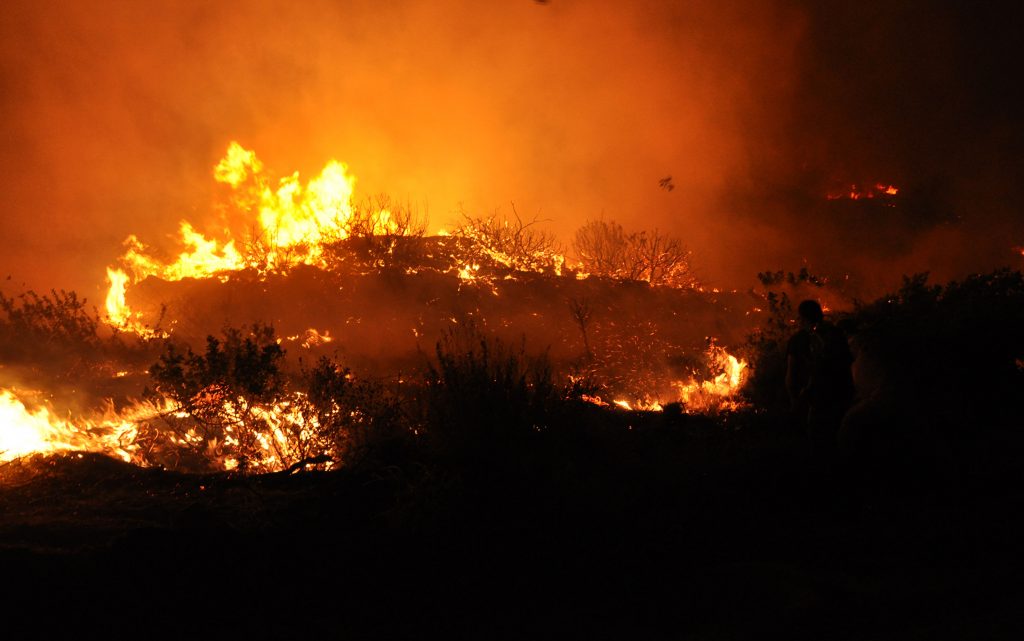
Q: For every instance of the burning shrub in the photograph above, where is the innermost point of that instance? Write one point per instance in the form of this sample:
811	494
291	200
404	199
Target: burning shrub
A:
380	233
605	249
375	234
512	242
234	407
225	393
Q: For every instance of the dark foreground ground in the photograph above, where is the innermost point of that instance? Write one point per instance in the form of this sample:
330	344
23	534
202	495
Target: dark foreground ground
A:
627	526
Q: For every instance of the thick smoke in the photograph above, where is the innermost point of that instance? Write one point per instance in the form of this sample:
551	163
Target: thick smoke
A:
114	113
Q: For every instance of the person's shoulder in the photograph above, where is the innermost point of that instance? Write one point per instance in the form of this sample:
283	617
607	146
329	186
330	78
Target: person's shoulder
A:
798	342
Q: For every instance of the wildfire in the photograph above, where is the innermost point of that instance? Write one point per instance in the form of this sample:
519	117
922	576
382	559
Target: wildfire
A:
696	395
856	192
641	406
284	436
719	392
293	222
38	431
313	338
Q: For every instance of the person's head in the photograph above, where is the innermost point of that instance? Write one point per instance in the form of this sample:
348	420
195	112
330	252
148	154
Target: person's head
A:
810	313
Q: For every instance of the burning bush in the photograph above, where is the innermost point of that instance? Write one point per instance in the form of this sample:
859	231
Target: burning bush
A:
234	406
510	241
381	233
225	393
605	249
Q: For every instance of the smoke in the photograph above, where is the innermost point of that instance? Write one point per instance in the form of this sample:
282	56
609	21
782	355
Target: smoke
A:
114	113
912	93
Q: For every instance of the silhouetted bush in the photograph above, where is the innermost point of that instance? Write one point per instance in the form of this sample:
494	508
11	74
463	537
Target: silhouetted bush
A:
766	352
483	396
58	321
358	420
953	353
956	349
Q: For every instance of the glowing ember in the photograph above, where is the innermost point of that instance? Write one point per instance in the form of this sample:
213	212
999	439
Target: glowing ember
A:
718	393
856	192
313	338
641	406
469	272
696	396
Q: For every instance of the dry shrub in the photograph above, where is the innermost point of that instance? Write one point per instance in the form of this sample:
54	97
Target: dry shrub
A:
511	241
604	248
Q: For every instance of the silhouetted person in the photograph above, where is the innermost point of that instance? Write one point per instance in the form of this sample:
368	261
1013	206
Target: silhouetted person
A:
818	376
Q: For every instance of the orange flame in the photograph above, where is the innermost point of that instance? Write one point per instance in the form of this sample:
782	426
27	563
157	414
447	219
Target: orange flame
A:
718	393
26	431
697	396
855	192
293	221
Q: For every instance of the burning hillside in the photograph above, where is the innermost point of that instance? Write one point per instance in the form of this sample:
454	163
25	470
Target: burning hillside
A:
519	319
330	280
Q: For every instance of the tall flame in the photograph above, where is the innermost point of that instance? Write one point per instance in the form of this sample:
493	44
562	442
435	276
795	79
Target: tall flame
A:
292	222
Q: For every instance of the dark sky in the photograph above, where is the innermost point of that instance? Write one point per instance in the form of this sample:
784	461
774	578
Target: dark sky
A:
112	115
